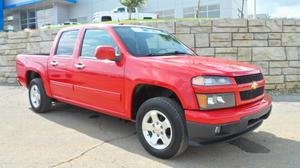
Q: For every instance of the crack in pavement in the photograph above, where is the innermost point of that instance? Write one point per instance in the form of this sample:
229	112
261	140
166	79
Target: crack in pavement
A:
90	149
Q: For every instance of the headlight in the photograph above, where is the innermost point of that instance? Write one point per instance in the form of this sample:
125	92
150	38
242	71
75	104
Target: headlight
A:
215	101
211	81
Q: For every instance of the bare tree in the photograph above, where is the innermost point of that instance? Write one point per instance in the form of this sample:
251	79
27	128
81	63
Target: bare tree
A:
197	11
241	11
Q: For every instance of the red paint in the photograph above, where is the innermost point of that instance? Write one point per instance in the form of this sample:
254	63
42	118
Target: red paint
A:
107	86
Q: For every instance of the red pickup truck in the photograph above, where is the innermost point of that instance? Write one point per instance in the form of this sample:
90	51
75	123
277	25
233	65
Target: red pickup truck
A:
147	76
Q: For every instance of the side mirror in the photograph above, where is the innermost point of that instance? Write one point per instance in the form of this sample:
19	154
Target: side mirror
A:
106	53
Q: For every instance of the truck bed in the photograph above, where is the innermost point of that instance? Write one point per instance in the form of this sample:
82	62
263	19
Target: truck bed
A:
33	62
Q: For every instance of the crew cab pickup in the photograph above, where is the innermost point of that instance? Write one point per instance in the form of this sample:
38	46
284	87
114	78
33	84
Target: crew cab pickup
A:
146	75
122	13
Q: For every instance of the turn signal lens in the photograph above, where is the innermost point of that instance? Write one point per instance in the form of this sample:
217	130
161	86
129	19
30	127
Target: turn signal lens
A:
202	100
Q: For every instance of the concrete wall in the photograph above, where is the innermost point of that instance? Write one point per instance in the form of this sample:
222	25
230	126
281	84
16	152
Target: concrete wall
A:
274	45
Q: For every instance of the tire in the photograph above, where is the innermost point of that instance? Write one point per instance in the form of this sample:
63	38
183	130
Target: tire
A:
38	98
161	140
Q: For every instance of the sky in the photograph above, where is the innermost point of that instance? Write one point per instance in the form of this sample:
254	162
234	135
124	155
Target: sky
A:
276	8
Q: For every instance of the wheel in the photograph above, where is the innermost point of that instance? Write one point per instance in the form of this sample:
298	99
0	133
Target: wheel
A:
38	98
161	127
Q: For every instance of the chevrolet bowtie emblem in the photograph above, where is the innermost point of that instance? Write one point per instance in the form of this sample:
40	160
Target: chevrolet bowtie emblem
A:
254	85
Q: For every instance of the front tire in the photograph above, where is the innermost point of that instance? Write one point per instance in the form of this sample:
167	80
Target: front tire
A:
38	98
161	127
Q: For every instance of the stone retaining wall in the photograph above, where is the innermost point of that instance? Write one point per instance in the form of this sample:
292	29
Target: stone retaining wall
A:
274	45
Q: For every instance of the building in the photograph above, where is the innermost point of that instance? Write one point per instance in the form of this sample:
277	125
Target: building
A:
20	14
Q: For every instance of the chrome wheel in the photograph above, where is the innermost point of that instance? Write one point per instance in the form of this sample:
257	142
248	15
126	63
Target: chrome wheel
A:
157	129
35	96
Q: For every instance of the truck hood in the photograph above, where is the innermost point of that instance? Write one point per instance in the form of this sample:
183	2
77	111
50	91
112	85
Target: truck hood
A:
208	66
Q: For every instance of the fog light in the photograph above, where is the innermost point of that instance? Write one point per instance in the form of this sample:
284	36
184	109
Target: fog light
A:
218	130
216	101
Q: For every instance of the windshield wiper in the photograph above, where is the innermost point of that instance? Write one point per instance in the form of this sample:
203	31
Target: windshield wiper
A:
176	53
169	53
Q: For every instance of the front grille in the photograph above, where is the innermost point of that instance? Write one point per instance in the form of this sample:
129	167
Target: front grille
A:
251	94
248	78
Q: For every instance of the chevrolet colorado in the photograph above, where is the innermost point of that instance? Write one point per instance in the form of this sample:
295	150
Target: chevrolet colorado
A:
147	76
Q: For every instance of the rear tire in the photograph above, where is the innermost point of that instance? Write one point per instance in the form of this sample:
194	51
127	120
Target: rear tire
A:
161	127
38	98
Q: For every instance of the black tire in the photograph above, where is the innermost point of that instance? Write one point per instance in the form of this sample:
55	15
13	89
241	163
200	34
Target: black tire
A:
45	101
175	114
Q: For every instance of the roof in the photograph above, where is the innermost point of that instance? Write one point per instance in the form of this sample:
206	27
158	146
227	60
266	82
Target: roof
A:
9	4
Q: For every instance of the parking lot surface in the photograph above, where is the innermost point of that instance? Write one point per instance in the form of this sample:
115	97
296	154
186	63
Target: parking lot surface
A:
70	137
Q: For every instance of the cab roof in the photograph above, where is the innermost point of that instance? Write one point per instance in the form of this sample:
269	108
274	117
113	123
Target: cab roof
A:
85	26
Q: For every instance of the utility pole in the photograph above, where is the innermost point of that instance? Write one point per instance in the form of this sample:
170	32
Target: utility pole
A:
254	14
242	13
197	11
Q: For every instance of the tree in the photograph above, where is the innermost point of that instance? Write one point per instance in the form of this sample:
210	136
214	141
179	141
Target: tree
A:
242	11
197	11
131	5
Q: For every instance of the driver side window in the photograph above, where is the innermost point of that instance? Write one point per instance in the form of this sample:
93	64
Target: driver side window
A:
121	10
94	38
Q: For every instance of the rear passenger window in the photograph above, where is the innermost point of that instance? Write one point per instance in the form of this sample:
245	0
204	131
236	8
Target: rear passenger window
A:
66	43
93	39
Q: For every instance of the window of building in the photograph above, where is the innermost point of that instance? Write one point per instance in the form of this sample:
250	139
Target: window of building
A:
210	11
66	43
189	12
94	38
28	19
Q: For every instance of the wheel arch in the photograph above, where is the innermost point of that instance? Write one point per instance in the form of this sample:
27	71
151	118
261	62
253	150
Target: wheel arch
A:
143	92
30	75
34	73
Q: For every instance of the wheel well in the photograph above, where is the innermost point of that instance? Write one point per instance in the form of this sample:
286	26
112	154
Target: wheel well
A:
31	75
145	92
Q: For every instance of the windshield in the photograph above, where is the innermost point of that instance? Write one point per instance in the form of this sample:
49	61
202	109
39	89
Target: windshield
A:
142	42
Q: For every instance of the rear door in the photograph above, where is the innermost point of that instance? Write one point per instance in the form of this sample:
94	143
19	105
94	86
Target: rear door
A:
60	66
99	84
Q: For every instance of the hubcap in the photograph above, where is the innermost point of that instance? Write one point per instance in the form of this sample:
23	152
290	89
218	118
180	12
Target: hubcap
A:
157	129
35	96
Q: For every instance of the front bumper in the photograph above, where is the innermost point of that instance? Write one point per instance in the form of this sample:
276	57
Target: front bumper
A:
204	133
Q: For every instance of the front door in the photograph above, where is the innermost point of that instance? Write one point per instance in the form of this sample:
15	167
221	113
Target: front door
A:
60	66
99	84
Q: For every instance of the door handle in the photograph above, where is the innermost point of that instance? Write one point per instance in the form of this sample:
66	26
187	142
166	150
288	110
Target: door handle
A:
54	63
79	66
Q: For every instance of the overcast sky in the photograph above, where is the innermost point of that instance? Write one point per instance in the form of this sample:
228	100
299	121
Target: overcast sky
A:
276	8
